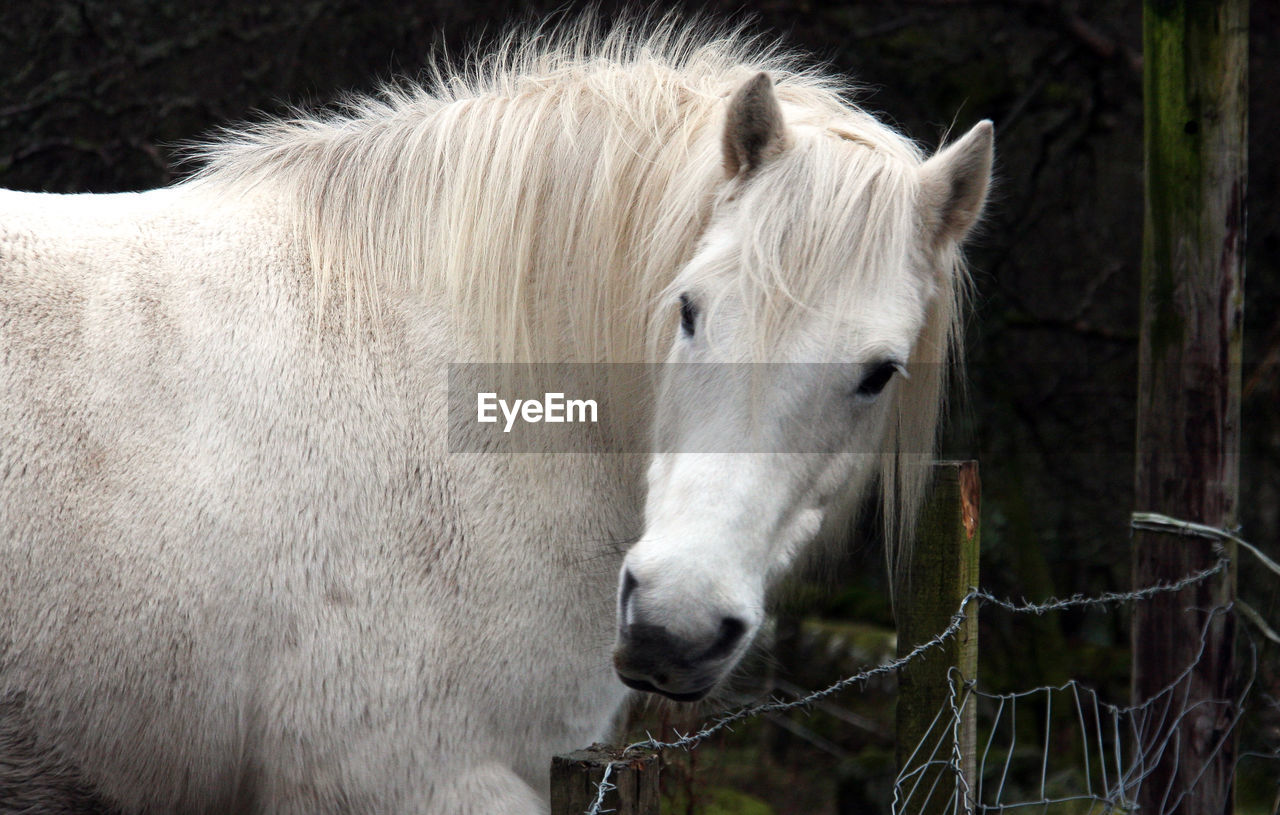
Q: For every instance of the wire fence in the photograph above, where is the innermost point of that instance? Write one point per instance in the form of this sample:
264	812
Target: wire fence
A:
1114	749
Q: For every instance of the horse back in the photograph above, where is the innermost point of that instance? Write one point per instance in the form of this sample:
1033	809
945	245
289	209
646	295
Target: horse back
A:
111	310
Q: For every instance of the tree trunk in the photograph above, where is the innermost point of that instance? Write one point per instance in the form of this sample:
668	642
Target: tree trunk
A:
1188	422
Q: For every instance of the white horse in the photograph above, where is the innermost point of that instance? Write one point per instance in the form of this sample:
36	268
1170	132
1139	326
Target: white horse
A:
246	562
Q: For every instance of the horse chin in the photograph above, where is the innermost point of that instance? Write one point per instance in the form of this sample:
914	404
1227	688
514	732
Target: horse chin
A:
649	687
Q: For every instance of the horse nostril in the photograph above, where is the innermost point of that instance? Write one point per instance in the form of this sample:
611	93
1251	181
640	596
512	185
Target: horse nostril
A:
629	585
731	631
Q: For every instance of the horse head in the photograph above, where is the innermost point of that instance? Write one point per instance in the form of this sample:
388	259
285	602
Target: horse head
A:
807	337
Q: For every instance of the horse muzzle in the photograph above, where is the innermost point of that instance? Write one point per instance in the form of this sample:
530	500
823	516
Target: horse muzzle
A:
682	667
649	658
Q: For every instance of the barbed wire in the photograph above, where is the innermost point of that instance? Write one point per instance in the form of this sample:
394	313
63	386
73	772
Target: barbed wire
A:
965	690
603	788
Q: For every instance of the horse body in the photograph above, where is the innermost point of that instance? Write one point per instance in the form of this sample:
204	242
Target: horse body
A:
244	566
213	563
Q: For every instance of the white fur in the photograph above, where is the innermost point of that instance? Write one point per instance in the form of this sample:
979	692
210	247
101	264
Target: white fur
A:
241	569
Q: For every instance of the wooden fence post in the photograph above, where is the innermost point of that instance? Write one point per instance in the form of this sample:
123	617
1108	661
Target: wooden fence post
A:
1195	104
575	779
944	566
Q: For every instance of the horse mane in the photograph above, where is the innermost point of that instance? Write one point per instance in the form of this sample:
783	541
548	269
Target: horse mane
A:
551	188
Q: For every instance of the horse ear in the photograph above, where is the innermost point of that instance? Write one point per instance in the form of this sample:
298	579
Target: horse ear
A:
754	131
954	184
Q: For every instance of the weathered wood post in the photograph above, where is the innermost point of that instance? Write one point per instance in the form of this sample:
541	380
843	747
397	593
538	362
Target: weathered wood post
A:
944	566
1188	436
575	779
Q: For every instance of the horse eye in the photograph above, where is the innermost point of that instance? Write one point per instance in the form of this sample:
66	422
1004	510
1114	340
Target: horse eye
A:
688	315
876	381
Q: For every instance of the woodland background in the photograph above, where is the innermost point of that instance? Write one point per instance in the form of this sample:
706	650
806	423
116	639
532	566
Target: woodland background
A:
96	94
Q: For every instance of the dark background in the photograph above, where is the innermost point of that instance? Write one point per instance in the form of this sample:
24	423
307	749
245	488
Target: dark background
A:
95	95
